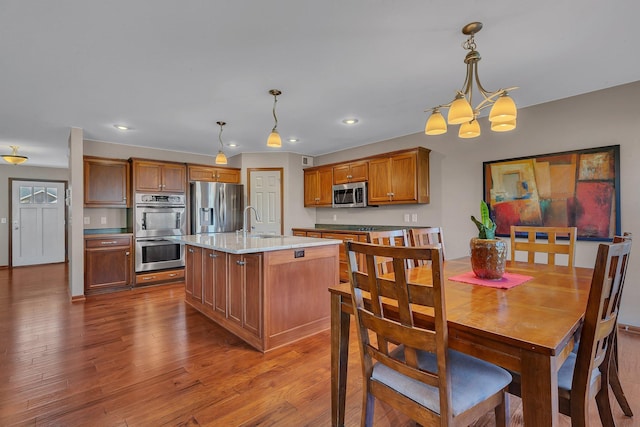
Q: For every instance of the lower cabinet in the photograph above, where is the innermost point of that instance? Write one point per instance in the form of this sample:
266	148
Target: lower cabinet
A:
108	263
268	299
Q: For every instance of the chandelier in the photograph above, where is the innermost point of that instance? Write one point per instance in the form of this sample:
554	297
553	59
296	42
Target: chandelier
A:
14	158
503	110
221	159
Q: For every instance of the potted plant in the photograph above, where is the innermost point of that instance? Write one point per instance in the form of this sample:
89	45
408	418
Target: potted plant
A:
488	254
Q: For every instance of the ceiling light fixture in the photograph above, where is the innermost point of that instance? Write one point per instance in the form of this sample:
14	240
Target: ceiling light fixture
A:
274	137
293	140
14	158
221	159
121	127
350	121
503	111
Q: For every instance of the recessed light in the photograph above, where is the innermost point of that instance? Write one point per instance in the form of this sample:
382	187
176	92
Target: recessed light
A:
350	121
121	127
233	144
293	140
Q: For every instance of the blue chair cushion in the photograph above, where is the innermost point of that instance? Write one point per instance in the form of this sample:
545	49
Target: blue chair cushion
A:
472	380
565	373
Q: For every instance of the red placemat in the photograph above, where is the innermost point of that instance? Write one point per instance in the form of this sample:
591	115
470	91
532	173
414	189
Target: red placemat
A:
509	280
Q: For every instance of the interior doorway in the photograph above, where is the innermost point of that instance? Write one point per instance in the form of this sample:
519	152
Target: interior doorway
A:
265	194
38	224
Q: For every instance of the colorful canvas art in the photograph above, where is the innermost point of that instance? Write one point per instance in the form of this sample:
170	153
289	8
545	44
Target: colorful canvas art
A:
576	188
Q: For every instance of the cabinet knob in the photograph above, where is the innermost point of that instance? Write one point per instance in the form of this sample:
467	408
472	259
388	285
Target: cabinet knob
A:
173	274
213	255
127	253
240	262
149	278
190	250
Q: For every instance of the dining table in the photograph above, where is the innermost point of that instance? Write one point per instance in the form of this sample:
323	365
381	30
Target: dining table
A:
530	328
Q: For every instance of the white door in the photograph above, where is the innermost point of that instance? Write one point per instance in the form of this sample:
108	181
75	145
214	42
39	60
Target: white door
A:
37	222
265	189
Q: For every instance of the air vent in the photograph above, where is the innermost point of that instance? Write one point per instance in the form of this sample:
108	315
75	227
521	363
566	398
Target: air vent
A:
307	161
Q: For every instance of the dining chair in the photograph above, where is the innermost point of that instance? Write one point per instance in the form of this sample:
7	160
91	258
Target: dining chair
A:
585	374
551	246
409	367
427	236
614	378
388	238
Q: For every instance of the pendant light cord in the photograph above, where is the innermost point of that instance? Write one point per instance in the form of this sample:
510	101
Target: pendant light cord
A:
275	118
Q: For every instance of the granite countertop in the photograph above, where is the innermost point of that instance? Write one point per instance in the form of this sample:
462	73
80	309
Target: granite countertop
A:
98	231
236	243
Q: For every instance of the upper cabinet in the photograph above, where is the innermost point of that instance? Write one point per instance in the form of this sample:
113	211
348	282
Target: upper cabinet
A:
106	183
214	174
351	172
159	177
400	177
318	184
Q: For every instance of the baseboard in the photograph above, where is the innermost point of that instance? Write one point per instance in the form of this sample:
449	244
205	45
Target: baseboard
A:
629	328
78	298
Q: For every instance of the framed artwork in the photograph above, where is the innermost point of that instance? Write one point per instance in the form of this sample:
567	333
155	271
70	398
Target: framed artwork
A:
574	188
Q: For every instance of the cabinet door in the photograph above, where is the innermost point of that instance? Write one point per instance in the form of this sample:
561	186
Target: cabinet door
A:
106	183
325	186
341	174
231	176
236	275
214	282
403	177
253	294
107	267
359	171
197	173
208	277
311	188
379	180
148	176
173	178
193	272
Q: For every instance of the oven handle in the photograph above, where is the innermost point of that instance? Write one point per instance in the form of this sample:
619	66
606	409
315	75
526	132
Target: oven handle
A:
156	242
161	206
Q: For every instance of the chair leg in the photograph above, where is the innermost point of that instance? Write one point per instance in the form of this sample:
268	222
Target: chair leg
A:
368	405
616	387
604	407
502	412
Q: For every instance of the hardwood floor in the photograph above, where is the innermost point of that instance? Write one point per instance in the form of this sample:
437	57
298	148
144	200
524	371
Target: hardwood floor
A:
145	358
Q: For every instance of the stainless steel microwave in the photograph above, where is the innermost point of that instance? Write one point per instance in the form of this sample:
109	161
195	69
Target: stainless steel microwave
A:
350	195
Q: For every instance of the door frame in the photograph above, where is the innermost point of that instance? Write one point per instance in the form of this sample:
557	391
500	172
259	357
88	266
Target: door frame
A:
66	215
281	170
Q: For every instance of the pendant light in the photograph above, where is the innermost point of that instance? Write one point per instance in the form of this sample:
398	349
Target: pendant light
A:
503	110
14	158
221	159
274	139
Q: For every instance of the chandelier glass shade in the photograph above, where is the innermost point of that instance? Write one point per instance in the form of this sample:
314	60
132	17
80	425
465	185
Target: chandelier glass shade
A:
14	158
461	112
221	158
274	139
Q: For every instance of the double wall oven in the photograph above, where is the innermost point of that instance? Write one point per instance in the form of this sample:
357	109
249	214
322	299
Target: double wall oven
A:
156	217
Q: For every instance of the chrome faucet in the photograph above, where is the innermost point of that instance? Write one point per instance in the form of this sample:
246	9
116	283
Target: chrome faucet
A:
244	220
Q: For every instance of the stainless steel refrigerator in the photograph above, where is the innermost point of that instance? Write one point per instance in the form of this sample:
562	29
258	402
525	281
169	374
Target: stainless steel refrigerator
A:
216	207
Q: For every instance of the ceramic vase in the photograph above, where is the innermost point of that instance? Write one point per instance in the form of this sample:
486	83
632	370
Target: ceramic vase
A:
488	258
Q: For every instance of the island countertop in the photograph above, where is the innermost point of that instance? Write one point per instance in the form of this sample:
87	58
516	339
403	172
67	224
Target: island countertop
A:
237	243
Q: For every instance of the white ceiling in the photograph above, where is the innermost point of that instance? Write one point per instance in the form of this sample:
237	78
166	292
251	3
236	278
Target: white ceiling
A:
171	68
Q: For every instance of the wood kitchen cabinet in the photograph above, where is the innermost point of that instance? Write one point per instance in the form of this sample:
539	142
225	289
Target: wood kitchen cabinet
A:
159	177
351	172
214	174
193	272
214	281
106	183
399	178
318	184
245	291
108	263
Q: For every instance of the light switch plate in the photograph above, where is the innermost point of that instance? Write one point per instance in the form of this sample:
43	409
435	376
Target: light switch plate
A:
87	220
414	217
103	220
3	220
406	217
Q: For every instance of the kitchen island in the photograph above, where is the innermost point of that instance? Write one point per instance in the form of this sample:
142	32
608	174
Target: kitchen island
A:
267	290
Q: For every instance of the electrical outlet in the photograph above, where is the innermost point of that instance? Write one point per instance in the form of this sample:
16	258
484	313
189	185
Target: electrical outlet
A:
87	220
335	217
103	220
3	220
414	217
406	217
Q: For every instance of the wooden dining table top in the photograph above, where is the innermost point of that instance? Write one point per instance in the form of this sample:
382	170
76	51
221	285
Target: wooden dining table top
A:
539	315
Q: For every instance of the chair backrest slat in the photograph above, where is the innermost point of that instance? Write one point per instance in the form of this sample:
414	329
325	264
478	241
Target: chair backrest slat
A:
551	247
388	238
428	236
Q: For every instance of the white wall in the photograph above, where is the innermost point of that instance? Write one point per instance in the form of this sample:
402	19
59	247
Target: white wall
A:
602	118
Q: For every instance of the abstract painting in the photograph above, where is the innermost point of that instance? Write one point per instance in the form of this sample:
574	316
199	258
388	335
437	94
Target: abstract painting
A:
574	188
